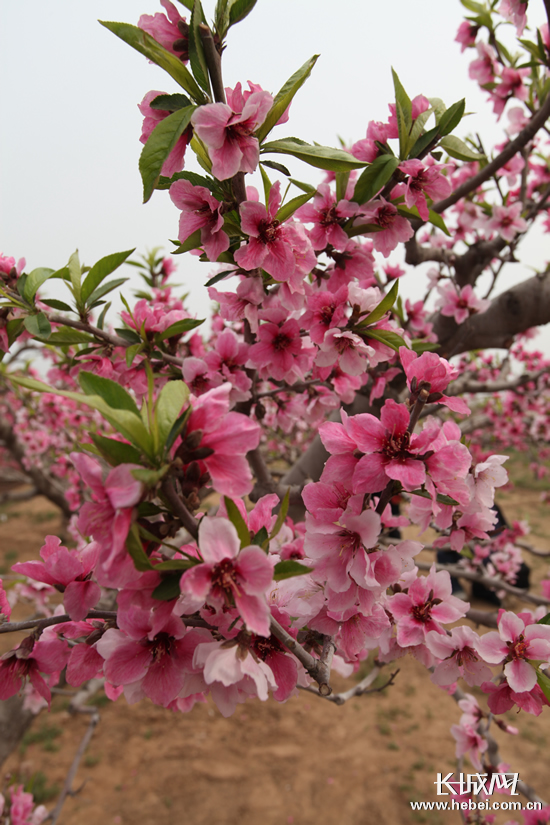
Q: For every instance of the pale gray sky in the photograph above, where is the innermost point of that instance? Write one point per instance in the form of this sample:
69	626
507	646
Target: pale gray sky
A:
69	143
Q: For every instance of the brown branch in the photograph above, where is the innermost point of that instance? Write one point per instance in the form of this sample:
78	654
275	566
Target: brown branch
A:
523	306
362	688
316	668
482	617
40	624
512	148
180	510
213	62
488	581
68	784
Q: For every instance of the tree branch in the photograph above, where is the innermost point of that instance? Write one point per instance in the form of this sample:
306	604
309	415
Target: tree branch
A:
512	148
67	787
488	581
317	668
180	510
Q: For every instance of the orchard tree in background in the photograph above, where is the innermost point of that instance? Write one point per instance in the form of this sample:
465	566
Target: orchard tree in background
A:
234	497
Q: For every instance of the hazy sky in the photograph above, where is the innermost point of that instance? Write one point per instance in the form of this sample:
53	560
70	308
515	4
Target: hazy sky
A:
69	143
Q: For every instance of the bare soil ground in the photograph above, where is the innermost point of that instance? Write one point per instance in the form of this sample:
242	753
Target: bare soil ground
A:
307	762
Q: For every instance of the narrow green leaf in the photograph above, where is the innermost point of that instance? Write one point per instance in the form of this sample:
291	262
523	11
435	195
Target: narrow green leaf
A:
104	289
111	392
134	547
196	49
116	452
34	281
403	107
418	127
150	478
261	538
419	346
272	164
100	270
127	423
266	183
132	352
322	157
172	397
169	588
101	319
170	103
161	141
544	619
192	242
75	274
456	148
179	328
544	683
192	177
342	179
288	569
305	187
281	516
55	304
384	306
452	117
148	46
374	178
433	217
385	336
129	335
239	9
288	209
177	428
424	141
219	277
238	522
441	498
67	335
38	325
284	97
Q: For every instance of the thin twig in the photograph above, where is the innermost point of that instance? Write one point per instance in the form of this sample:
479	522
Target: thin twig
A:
315	668
180	510
40	624
488	581
67	787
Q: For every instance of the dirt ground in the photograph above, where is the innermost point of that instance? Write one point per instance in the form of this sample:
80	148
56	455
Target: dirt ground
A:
308	762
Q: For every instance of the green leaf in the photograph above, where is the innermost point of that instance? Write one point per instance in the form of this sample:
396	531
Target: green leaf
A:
239	9
104	289
38	325
34	281
433	217
419	346
177	428
290	208
456	148
192	242
192	177
342	180
14	329
148	46
544	683
196	49
385	336
261	538
150	478
161	141
100	270
272	164
55	304
384	306
67	335
438	106
322	157
116	452
403	107
169	588
177	564
75	274
170	103
305	187
424	141
284	97
147	508
288	569
111	392
452	117
374	178
101	319
129	335
441	498
132	352
238	522
281	516
179	327
219	277
172	397
544	619
135	548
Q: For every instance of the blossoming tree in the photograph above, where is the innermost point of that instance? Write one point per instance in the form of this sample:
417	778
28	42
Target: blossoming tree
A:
200	567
